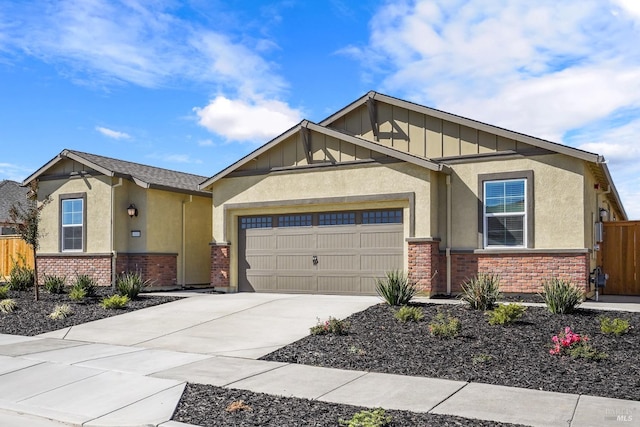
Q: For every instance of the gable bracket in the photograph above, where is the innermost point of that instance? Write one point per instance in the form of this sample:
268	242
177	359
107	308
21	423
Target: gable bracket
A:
306	142
373	116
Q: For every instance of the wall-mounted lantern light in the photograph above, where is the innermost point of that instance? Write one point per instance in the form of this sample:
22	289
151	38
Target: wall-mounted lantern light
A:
132	210
604	214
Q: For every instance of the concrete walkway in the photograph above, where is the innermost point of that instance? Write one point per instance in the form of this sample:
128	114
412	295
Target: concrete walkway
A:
128	372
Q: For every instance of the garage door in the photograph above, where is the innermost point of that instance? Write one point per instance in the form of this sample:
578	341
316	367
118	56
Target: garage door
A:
323	252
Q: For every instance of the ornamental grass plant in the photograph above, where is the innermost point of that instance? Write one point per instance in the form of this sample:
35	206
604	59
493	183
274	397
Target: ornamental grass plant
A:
482	291
396	288
561	296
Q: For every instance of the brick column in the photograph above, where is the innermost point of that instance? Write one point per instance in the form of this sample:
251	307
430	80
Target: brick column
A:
424	265
220	265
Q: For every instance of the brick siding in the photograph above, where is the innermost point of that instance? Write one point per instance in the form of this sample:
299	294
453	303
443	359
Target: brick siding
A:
161	270
219	265
96	266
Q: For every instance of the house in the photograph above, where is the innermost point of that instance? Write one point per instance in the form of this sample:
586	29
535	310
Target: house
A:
11	193
387	184
108	216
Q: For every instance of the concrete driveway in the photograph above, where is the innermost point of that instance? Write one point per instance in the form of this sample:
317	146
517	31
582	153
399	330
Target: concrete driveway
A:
246	325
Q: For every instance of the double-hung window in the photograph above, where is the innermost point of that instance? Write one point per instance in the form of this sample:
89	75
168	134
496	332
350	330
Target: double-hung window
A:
505	213
72	224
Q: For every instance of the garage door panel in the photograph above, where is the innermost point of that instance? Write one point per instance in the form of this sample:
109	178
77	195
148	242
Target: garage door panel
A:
339	262
260	262
339	284
368	285
294	241
381	239
337	239
260	282
293	262
380	262
296	283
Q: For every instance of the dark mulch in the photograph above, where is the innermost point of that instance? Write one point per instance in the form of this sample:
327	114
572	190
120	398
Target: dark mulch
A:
515	355
32	317
205	405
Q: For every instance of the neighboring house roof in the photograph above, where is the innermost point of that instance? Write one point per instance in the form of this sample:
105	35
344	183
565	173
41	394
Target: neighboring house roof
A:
10	193
143	175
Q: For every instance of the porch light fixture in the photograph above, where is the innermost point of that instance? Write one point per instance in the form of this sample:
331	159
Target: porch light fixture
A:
604	214
132	210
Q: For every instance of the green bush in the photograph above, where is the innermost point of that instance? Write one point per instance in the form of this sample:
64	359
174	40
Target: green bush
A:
7	305
115	302
481	358
482	291
395	288
506	313
615	326
21	276
407	314
60	312
4	291
366	418
86	282
130	284
332	326
561	296
77	293
584	350
445	326
54	284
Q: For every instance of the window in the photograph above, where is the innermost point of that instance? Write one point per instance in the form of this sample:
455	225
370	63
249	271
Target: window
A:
72	224
337	218
505	213
294	220
382	217
255	222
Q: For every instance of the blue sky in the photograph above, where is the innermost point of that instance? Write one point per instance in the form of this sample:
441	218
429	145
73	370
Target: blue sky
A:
195	85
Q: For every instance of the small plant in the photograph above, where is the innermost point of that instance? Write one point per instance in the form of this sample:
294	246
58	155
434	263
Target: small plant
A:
374	418
87	283
7	305
409	314
395	288
60	311
482	291
615	326
561	296
481	358
569	343
4	291
506	314
115	302
357	350
21	276
54	284
445	326
332	326
77	293
130	284
238	405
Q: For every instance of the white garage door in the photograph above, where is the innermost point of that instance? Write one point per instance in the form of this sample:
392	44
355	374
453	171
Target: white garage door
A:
323	252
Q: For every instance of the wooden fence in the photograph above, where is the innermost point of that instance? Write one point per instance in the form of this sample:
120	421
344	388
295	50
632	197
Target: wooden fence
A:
11	248
621	257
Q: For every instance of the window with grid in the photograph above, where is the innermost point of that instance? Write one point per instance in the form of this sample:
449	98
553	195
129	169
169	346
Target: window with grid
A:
505	213
337	218
382	217
72	224
255	222
294	220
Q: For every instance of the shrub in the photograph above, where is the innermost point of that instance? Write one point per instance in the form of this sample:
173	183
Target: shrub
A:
332	326
506	313
575	345
238	405
4	291
366	418
406	314
7	305
60	312
130	284
481	358
395	288
445	327
21	276
615	326
87	283
561	296
77	293
482	291
54	284
115	302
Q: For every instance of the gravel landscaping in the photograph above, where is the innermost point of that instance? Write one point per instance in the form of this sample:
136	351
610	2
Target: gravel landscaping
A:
32	317
514	355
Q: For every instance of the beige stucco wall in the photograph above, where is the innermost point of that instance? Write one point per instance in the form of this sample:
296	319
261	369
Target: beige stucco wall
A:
559	221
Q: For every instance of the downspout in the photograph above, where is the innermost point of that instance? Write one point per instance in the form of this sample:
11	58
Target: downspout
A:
184	241
114	254
448	248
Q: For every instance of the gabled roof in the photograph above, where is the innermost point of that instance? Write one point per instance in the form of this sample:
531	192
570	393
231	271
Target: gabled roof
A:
11	193
143	175
360	142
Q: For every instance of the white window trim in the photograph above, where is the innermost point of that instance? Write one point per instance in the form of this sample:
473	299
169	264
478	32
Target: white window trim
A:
63	226
503	215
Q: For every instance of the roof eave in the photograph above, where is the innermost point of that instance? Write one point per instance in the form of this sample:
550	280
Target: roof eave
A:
613	189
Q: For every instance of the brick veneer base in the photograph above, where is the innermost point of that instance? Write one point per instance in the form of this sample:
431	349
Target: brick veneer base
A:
96	266
519	272
220	265
161	270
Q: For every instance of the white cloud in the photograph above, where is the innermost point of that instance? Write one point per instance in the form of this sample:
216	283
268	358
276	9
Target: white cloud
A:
14	172
175	158
250	120
205	143
112	133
